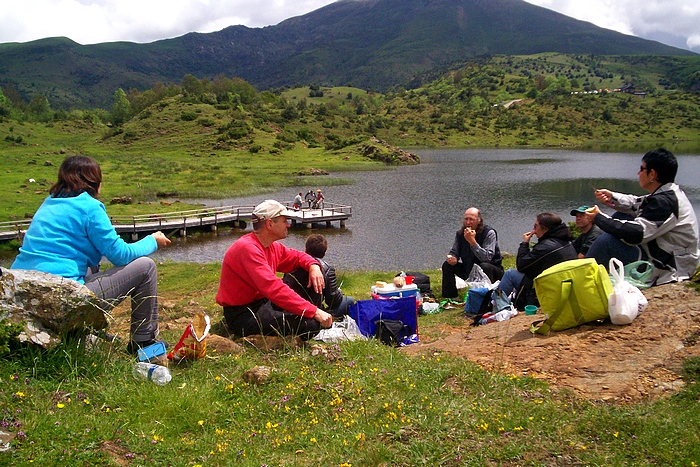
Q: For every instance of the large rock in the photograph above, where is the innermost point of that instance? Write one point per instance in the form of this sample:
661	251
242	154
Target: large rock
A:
47	305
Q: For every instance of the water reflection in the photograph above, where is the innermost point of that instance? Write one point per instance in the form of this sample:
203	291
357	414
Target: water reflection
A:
406	218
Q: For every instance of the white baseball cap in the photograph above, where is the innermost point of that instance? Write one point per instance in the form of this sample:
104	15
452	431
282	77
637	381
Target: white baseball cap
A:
269	209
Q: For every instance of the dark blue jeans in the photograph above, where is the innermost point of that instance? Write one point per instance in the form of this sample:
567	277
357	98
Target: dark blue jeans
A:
606	246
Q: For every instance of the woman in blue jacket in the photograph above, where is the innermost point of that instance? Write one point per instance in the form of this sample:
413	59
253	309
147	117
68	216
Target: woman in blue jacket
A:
71	232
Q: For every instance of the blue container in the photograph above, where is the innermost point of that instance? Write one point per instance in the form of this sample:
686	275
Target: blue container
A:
152	351
390	291
474	298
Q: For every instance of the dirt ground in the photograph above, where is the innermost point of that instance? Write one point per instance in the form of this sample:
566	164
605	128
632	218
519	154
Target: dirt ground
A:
599	361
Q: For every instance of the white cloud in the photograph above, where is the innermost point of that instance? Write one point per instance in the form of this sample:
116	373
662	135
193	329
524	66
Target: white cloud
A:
649	19
95	21
694	42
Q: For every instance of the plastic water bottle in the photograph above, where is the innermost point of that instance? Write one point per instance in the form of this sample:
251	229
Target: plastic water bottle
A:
152	372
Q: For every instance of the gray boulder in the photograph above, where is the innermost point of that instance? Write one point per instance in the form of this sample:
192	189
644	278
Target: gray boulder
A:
47	305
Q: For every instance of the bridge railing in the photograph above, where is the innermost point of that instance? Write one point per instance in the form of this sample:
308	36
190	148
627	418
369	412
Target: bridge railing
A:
335	208
164	217
13	229
16	229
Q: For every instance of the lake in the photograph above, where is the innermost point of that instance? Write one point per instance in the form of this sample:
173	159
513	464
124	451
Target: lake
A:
405	218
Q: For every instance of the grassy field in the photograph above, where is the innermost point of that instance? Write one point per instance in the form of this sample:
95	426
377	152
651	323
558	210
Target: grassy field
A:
150	169
360	404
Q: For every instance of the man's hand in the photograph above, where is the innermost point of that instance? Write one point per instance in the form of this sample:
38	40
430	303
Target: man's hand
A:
324	318
591	213
470	236
451	260
316	279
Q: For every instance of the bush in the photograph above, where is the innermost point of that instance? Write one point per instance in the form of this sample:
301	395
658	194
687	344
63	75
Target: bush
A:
8	336
188	116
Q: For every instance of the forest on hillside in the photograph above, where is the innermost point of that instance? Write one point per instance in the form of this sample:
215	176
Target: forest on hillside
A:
547	99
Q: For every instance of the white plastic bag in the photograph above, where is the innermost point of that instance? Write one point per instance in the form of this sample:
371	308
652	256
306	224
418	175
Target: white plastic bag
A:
459	282
626	301
478	278
340	331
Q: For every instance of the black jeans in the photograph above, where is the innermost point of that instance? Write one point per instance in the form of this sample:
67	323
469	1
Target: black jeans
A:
263	317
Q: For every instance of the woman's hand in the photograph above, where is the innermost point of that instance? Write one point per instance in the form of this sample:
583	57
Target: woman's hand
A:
604	196
527	236
161	239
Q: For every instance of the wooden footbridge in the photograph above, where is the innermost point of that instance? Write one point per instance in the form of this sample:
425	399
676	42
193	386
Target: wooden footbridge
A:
178	222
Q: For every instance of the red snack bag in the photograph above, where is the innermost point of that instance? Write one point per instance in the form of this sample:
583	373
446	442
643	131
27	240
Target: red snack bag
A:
192	344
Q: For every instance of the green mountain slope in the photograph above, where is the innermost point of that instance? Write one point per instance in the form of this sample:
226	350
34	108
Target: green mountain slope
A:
372	44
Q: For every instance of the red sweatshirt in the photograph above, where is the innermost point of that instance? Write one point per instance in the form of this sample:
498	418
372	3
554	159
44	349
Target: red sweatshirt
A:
248	274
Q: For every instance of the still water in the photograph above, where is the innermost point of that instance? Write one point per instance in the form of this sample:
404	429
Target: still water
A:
406	218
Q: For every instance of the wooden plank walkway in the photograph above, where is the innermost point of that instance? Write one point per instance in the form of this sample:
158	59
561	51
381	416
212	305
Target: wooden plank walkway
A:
178	222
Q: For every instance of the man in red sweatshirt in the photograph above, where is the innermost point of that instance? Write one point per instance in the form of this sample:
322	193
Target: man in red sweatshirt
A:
254	299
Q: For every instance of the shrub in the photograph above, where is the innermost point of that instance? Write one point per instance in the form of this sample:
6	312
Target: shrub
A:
188	116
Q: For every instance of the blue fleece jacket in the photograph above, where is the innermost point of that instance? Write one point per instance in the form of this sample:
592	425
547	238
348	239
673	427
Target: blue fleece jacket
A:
68	235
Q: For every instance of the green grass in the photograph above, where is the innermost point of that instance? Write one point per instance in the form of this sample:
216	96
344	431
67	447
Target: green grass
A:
361	404
148	169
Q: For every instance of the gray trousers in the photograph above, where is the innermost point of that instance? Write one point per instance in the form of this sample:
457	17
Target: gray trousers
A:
137	280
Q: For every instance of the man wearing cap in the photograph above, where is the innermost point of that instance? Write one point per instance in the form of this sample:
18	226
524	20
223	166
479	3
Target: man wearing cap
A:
254	299
589	231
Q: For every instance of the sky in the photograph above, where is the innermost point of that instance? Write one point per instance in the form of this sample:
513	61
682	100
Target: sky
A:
673	22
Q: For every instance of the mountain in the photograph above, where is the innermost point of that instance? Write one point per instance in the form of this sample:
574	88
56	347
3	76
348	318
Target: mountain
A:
372	44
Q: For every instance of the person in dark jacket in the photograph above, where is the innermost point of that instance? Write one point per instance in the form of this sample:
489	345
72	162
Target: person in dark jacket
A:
589	231
335	302
475	243
553	246
660	227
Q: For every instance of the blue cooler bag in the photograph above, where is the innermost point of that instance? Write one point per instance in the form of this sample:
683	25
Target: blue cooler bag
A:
366	312
475	297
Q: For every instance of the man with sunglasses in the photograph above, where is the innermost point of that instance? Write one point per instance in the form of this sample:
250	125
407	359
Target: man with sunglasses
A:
254	299
660	227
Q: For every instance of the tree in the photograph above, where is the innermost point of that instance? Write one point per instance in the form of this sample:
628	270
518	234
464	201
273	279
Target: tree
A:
121	107
191	85
39	108
5	107
290	113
